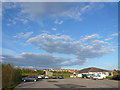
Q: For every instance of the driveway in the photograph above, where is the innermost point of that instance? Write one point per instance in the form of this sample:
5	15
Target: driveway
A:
69	83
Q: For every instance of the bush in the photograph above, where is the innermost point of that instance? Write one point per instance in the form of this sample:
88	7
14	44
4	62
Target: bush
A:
116	72
10	76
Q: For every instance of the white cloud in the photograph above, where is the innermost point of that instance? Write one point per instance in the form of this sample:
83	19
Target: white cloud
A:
61	44
36	60
46	37
40	10
45	31
7	51
95	42
45	9
64	44
23	35
108	39
58	21
11	22
24	21
114	34
17	17
9	5
90	38
54	29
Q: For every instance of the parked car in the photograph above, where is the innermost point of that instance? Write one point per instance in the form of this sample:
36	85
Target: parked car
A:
46	77
40	77
53	77
90	75
116	77
60	77
84	75
30	78
98	77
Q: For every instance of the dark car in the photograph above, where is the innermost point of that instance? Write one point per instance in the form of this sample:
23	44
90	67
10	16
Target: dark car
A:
30	78
84	75
53	77
60	77
116	77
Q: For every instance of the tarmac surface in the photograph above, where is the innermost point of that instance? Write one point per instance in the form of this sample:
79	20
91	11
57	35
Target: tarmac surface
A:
69	83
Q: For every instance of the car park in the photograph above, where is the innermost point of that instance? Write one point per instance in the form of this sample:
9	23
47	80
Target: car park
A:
116	77
60	77
30	78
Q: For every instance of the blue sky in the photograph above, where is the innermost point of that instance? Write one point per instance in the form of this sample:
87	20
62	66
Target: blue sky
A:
60	35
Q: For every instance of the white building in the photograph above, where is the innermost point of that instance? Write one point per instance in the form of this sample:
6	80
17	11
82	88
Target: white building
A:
92	70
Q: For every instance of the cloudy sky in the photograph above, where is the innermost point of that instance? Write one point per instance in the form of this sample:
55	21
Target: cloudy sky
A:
60	35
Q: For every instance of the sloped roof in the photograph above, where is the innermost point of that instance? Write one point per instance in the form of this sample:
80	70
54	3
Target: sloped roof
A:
92	69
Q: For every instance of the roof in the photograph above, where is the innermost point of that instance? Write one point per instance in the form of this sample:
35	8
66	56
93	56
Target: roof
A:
92	69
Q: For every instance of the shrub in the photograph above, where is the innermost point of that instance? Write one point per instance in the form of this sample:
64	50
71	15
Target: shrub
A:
116	72
10	76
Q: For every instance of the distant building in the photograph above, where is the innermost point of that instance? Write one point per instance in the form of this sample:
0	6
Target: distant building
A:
91	70
48	73
60	70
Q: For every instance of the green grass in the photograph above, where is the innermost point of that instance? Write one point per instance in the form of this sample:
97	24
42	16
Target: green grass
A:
26	74
65	74
109	77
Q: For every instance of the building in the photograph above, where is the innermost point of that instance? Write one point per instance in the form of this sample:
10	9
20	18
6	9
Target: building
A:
60	70
92	70
48	73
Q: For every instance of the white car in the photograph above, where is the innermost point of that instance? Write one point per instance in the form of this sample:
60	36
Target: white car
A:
90	75
98	77
40	77
46	77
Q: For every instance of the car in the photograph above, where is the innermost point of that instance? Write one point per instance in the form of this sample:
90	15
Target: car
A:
30	78
98	77
116	77
90	76
40	77
60	77
53	77
84	75
46	77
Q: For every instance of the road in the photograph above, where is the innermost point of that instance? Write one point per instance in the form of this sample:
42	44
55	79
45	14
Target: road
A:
69	83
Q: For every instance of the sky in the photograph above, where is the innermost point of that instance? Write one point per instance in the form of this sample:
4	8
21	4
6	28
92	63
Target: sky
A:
60	35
